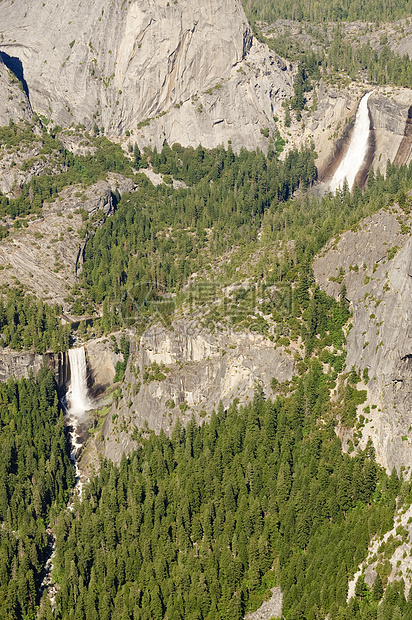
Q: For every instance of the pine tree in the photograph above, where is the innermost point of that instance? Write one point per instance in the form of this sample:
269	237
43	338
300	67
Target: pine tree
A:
377	588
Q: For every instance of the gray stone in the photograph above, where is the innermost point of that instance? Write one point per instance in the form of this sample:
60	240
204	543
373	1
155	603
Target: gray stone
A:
202	369
380	291
18	364
14	104
47	256
118	64
269	610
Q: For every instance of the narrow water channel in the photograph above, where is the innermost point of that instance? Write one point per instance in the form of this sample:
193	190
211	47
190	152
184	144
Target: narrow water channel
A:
78	403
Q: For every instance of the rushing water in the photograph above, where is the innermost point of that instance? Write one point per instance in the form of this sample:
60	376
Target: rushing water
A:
78	403
78	396
358	148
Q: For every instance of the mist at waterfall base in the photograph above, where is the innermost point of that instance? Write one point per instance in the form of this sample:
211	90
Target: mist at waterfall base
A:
78	403
357	151
78	399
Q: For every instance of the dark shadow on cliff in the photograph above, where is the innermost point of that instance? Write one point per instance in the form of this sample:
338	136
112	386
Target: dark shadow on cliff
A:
405	148
16	67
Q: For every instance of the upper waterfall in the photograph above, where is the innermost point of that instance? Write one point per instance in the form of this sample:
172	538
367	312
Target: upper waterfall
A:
358	147
78	398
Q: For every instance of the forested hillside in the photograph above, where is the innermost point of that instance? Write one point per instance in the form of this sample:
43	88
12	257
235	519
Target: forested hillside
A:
201	523
35	480
30	324
335	58
375	11
159	236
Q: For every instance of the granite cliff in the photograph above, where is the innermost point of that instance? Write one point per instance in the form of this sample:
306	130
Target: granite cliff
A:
374	261
119	65
183	72
184	371
14	103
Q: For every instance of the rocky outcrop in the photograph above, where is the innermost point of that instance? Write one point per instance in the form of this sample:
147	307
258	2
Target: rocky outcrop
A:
61	365
101	361
329	125
390	124
195	370
269	610
46	256
14	104
18	364
394	547
404	152
13	173
120	64
376	259
20	163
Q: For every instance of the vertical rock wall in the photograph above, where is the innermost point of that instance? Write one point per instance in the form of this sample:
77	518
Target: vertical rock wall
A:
118	64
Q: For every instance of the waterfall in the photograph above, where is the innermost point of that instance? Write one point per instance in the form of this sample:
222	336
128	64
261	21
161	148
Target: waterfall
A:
79	401
358	147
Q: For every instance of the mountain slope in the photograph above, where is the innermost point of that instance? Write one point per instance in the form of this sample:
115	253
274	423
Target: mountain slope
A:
374	262
117	65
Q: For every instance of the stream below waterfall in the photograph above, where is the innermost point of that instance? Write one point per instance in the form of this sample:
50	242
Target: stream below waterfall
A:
78	403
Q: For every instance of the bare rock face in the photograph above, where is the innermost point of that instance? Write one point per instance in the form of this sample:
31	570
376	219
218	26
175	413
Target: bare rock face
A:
119	64
404	46
18	364
390	123
239	107
47	255
196	370
101	360
14	104
269	610
377	261
330	124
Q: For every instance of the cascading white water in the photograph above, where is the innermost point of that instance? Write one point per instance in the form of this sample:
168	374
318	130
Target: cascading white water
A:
358	147
79	401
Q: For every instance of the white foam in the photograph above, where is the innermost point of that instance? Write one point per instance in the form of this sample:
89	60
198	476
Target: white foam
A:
358	148
78	397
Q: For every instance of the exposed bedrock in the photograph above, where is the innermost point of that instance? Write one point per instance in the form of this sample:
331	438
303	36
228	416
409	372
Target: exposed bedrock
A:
200	369
330	127
49	268
377	262
117	64
14	103
101	364
19	364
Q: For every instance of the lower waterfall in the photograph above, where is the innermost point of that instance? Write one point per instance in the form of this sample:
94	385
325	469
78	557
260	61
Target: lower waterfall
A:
358	148
78	399
78	402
